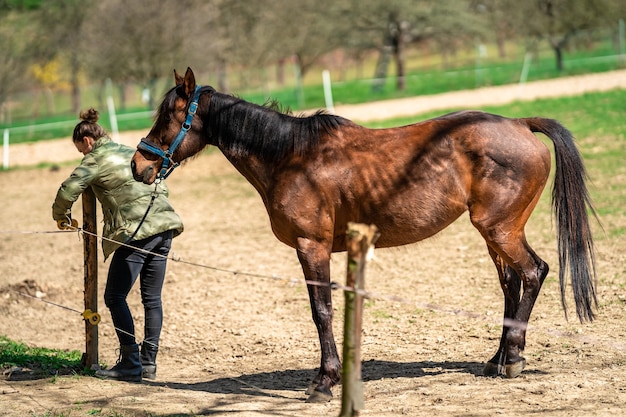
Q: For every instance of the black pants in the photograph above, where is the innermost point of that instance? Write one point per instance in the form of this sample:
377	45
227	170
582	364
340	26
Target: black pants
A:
126	265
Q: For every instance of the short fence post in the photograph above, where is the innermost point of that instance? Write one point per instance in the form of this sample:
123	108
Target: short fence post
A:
90	357
5	149
328	91
360	242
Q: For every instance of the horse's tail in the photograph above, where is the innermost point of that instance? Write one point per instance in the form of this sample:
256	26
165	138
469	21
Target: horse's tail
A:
570	202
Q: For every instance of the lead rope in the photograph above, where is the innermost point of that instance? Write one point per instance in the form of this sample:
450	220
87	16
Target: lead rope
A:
154	195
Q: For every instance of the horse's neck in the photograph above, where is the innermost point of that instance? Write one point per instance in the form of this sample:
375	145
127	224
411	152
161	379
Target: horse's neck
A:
251	167
251	163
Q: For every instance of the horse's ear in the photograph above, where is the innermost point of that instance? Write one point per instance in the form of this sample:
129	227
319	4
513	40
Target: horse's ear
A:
177	79
190	82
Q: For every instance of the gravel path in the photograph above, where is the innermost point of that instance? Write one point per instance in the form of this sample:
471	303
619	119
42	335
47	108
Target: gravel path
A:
56	151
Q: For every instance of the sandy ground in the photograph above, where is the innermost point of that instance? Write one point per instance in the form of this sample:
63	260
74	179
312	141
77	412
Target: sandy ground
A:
244	345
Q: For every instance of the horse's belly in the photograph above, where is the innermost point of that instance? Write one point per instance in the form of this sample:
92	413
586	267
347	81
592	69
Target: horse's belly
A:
400	230
405	225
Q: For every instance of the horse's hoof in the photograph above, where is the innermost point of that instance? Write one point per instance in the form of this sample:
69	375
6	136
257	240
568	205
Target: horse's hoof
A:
311	388
514	369
319	397
492	369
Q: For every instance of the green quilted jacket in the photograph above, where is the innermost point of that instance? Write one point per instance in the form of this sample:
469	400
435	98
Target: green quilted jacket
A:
124	201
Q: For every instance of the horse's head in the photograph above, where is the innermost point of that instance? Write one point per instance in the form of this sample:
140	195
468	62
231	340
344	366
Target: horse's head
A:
175	135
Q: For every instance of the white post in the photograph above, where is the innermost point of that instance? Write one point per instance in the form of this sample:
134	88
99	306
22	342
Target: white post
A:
112	116
328	91
481	52
5	147
524	74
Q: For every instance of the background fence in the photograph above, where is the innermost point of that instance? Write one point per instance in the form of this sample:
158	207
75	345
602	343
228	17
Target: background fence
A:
427	72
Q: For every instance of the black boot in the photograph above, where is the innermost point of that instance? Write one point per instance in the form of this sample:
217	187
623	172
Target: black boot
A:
148	360
128	367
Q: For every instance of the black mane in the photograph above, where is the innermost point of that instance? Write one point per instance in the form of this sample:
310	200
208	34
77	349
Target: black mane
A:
239	127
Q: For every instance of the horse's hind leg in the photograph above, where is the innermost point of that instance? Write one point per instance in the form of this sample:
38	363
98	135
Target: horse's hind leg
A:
522	263
510	284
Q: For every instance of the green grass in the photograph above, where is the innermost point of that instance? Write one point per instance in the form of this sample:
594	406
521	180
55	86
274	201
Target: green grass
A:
62	125
589	115
467	73
437	80
40	361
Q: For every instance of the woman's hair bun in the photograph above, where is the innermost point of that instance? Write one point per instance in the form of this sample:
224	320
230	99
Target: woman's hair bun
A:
92	115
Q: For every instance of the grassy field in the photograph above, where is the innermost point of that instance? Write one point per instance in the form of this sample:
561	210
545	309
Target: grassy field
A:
591	114
39	360
426	74
467	74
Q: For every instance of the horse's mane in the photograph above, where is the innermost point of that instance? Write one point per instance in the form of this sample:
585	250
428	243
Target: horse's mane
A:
244	128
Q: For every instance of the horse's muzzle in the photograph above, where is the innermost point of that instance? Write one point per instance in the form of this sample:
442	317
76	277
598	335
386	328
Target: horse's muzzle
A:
145	176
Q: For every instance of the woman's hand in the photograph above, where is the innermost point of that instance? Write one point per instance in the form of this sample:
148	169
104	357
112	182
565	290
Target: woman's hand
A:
67	224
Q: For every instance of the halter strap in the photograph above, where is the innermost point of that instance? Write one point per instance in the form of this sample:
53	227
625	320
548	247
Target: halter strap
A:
149	146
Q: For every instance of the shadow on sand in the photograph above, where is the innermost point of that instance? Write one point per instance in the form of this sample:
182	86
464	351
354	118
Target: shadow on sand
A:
267	383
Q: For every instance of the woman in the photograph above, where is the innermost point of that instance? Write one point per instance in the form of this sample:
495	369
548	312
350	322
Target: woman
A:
140	243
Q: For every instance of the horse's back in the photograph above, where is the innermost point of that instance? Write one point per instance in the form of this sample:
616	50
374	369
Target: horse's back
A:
463	160
410	181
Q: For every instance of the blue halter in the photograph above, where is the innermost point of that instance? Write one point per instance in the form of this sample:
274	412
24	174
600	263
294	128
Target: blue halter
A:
149	146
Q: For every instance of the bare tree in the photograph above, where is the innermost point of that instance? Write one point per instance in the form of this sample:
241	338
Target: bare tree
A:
311	29
557	21
500	18
402	23
273	30
61	25
142	41
14	56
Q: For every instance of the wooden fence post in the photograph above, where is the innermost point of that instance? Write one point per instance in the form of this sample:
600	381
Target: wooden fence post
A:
360	242
90	357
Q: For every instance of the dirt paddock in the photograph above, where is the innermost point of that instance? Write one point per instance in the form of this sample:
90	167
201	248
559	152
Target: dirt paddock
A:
235	344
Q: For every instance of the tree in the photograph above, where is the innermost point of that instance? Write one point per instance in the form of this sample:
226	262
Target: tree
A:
61	33
276	30
142	41
500	18
15	55
557	21
402	23
312	34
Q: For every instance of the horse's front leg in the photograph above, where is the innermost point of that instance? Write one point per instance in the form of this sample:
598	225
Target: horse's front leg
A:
315	259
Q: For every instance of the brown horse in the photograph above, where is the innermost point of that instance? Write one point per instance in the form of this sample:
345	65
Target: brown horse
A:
315	174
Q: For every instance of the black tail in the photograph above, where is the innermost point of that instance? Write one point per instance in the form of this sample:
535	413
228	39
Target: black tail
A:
570	202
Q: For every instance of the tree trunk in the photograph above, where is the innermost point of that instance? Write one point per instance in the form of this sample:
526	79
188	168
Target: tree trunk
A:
75	68
152	93
222	77
501	42
280	72
399	43
557	46
399	55
122	91
559	58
